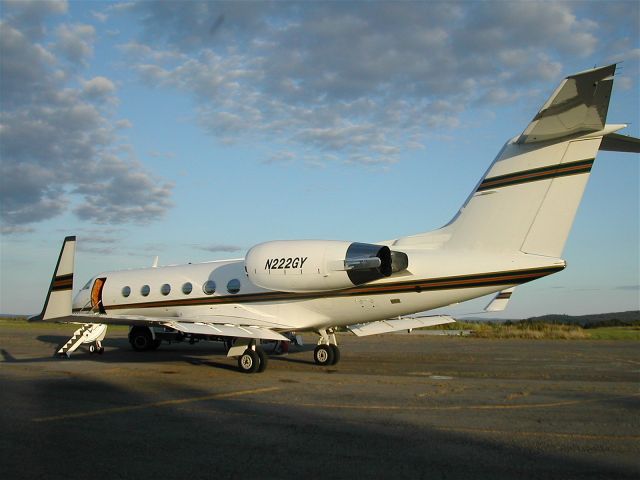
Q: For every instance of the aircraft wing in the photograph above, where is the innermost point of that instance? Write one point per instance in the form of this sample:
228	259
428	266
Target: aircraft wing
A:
386	326
226	330
216	325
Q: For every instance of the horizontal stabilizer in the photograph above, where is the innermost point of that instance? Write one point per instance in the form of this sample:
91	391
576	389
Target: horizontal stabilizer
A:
578	106
386	326
614	142
500	301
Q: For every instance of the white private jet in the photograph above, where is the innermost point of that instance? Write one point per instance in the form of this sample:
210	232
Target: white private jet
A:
511	230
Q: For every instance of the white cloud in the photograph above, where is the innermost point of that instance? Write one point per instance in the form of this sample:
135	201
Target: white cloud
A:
99	88
15	229
75	42
60	150
100	16
28	17
123	124
361	81
282	157
218	248
162	155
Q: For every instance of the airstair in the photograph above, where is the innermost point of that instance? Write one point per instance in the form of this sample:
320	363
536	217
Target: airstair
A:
90	334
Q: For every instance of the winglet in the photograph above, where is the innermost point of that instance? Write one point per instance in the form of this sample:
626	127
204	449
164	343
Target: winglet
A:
58	301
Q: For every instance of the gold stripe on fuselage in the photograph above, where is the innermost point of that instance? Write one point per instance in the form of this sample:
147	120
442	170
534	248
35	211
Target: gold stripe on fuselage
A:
444	283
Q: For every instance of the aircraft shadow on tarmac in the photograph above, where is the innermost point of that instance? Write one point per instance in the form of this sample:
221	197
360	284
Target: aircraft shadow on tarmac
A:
119	350
122	431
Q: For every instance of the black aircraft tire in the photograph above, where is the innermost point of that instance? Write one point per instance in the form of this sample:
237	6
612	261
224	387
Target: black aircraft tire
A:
263	360
336	354
141	339
249	361
323	355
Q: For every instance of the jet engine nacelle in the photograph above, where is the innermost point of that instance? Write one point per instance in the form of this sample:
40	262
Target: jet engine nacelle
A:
319	265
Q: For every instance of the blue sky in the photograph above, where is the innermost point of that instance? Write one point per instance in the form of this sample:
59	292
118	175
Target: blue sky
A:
193	131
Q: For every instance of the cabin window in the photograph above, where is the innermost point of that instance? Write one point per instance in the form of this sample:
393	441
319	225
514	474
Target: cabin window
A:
126	291
233	286
144	291
187	288
209	287
165	289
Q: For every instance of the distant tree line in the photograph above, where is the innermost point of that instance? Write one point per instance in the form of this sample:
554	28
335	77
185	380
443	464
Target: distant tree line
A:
616	319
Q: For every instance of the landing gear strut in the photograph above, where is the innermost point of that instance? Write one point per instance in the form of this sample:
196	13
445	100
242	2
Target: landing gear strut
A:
327	351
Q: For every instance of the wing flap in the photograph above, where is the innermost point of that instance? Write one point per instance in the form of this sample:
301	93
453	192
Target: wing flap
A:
218	325
386	326
226	330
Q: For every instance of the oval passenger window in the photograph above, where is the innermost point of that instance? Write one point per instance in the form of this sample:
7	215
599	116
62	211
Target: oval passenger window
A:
209	287
233	286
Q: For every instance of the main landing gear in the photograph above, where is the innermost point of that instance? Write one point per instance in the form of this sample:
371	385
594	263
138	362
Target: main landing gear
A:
251	356
253	360
327	352
141	339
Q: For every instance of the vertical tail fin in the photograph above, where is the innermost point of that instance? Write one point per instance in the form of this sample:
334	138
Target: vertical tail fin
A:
528	198
58	301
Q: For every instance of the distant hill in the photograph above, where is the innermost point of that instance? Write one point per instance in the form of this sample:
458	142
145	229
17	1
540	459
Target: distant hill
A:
609	319
589	321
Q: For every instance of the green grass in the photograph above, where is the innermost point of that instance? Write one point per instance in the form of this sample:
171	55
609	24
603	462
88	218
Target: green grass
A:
22	324
614	333
542	331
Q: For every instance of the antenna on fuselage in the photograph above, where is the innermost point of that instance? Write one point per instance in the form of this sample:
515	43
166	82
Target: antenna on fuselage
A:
155	262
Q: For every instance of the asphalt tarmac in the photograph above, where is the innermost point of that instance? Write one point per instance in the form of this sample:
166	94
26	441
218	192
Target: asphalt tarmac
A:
396	406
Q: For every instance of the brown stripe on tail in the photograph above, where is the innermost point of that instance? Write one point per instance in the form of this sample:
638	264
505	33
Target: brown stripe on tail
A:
537	174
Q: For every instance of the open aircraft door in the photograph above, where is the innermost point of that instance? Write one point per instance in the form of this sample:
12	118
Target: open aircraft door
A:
96	295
